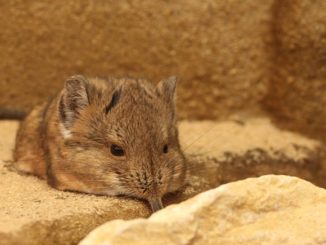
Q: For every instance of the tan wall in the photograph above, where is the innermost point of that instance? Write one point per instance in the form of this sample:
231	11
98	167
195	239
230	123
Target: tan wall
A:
297	94
229	55
218	49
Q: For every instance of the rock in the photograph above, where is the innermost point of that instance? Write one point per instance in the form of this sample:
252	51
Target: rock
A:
225	41
247	147
221	152
229	55
266	210
297	93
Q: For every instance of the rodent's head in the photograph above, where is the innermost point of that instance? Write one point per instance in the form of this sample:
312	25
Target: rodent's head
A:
121	136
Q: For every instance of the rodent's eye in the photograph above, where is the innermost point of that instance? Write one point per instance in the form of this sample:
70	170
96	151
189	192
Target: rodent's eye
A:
117	150
165	148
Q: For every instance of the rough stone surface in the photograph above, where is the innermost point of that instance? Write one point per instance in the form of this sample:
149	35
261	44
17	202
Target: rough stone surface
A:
247	147
266	210
206	44
229	55
217	153
297	93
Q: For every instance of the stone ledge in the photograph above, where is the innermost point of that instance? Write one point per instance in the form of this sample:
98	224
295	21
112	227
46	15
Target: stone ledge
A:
266	210
249	147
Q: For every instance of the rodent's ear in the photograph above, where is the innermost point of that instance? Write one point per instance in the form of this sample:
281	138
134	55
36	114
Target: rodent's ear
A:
73	99
166	88
114	100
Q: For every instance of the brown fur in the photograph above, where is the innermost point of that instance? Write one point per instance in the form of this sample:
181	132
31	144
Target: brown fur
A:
94	114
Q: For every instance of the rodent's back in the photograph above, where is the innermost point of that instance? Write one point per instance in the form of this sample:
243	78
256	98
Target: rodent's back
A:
28	153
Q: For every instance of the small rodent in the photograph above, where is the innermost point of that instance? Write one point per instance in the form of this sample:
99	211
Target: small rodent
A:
106	136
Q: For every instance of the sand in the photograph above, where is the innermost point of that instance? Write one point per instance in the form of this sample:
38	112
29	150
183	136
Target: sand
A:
218	152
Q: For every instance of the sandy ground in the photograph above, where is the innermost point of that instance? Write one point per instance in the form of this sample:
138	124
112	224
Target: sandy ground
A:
7	139
29	207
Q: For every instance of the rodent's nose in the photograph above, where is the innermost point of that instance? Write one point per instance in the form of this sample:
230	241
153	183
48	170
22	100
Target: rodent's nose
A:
156	204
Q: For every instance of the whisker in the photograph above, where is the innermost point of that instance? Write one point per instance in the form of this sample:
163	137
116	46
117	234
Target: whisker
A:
200	136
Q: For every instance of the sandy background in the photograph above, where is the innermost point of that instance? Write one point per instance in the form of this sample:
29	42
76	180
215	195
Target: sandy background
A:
229	55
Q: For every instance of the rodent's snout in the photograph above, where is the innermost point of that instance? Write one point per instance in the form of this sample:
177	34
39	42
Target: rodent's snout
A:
156	204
